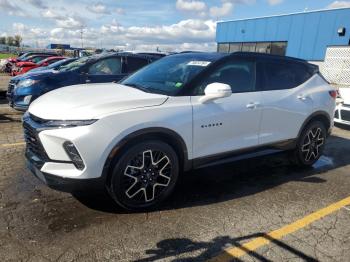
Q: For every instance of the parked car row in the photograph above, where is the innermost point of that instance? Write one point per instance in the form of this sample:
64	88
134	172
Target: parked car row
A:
28	61
133	135
103	68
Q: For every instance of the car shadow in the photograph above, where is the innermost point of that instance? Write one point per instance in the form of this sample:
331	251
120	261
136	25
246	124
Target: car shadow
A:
236	180
342	126
170	248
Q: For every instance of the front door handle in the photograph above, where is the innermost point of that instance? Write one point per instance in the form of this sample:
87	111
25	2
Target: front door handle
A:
87	81
253	105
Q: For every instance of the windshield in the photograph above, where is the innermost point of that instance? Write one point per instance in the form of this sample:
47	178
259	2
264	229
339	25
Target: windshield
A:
167	75
74	65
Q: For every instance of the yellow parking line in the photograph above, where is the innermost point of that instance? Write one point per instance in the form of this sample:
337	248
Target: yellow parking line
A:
236	252
13	144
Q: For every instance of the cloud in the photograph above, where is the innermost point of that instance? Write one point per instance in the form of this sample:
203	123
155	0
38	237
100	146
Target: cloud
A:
339	4
274	2
11	8
51	14
98	8
37	3
120	11
190	5
224	10
70	22
190	34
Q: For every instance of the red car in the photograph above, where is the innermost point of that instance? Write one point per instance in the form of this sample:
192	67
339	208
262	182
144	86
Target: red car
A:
24	67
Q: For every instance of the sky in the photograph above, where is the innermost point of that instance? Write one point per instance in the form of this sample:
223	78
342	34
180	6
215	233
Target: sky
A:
170	25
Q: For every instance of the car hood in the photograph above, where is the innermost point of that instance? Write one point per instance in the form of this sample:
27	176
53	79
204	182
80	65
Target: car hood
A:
37	75
345	94
91	101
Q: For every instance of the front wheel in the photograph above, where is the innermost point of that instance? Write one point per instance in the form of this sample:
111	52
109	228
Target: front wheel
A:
145	175
310	144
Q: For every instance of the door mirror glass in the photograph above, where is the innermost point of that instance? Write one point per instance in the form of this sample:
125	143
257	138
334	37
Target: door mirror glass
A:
215	91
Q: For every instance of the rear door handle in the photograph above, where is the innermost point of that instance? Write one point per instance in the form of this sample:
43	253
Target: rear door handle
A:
302	97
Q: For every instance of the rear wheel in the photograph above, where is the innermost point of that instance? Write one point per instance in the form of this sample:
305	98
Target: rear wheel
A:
145	175
310	145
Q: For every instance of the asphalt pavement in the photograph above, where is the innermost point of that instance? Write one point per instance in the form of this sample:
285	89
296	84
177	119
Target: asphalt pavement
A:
261	209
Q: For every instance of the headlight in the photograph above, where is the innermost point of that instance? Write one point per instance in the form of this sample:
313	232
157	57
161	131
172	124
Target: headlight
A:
68	123
26	83
57	123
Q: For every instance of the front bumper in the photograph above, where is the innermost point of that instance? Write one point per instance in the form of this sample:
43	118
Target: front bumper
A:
66	184
342	114
48	161
18	100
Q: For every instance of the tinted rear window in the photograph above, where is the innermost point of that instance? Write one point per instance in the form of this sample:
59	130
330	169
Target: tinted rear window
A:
280	75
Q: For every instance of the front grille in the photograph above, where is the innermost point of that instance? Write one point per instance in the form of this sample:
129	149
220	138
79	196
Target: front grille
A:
10	88
345	115
33	142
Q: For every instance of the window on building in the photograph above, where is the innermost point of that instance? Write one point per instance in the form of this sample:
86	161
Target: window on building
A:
278	48
235	47
248	47
263	47
275	48
223	48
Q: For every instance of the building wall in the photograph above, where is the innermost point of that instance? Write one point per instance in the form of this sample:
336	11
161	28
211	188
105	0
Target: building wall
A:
308	34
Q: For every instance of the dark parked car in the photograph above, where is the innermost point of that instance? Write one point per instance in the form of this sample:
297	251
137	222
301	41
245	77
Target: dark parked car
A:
94	69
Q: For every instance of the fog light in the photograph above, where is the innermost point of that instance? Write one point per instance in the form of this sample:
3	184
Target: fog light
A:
27	99
74	155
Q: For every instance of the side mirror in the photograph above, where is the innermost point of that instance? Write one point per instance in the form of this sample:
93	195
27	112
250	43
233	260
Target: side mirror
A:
215	91
45	64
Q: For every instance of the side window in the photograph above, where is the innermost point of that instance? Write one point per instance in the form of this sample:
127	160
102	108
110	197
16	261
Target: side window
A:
135	63
109	66
240	75
52	61
279	76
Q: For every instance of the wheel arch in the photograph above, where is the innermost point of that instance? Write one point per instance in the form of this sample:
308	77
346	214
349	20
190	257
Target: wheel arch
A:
321	116
157	133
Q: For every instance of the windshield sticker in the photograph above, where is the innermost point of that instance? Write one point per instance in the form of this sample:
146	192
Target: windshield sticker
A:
178	85
199	63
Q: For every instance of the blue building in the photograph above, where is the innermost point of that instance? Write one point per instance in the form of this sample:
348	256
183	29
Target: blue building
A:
58	46
303	35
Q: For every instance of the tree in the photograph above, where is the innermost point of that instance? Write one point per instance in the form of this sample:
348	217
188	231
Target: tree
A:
18	40
3	40
10	40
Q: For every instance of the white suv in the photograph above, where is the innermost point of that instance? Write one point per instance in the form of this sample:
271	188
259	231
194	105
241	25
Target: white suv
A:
184	111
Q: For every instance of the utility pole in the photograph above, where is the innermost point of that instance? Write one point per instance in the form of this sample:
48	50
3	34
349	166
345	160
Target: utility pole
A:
81	37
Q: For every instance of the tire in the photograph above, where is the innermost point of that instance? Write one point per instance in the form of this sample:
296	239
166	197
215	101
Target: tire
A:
144	176
310	145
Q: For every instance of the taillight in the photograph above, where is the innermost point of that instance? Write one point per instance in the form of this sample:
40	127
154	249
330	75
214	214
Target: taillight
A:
333	94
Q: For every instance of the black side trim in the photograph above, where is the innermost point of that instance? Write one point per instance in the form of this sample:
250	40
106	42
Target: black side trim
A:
187	164
243	153
313	116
